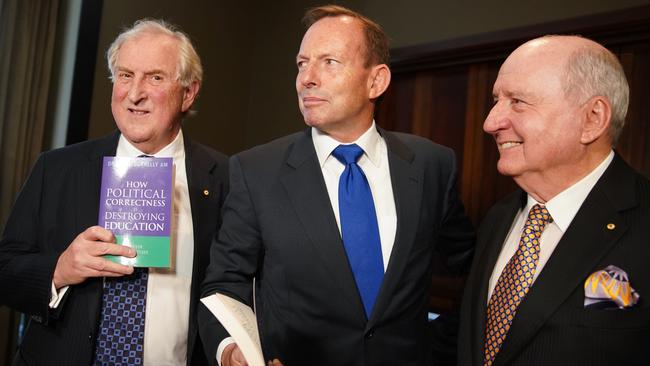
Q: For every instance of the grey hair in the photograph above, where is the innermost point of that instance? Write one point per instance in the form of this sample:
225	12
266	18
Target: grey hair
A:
189	64
595	71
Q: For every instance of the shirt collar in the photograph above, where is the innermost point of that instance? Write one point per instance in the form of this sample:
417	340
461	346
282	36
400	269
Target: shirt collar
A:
565	205
175	149
369	142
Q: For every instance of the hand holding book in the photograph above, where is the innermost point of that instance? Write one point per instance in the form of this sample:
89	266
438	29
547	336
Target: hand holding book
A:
240	321
83	258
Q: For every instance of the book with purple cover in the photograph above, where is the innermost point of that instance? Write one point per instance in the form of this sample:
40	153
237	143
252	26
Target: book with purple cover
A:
136	206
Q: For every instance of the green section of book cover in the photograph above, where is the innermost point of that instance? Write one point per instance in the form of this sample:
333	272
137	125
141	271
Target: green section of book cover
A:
153	251
136	206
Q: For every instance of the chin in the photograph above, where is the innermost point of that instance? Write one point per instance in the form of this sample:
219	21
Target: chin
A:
507	169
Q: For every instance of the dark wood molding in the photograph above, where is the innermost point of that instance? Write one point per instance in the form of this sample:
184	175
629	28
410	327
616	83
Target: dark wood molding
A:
612	29
84	71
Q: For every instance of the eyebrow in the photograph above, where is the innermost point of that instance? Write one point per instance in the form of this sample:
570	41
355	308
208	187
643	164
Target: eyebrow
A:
516	94
150	72
318	57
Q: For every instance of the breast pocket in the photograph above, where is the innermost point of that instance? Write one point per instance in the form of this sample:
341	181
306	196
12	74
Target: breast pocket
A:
634	318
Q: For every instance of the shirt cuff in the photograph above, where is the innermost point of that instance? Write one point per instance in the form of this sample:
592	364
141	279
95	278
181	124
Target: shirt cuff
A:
222	346
56	296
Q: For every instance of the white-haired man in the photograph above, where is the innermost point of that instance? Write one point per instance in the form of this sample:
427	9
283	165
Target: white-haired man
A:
561	268
51	254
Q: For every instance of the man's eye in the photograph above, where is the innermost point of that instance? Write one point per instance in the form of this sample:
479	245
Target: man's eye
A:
156	78
330	61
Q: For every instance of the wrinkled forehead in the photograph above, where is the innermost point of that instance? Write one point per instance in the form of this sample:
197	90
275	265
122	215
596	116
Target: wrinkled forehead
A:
151	50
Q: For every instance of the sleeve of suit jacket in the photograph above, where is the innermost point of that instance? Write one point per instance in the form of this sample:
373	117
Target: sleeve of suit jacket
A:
26	266
456	239
234	257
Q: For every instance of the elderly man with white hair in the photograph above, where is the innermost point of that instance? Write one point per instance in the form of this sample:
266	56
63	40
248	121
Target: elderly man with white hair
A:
83	308
561	269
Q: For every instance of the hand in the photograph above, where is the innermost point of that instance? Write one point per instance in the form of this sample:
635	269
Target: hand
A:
275	362
83	258
232	356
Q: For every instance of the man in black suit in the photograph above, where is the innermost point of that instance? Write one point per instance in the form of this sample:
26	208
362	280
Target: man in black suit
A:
51	264
566	282
284	217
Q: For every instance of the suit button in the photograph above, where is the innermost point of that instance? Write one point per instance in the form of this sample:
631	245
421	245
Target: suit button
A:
370	334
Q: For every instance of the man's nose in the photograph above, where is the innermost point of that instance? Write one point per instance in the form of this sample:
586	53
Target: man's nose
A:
137	91
496	120
308	76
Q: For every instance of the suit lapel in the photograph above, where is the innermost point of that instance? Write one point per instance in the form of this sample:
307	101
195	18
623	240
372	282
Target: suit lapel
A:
199	170
200	181
580	249
496	231
407	192
304	184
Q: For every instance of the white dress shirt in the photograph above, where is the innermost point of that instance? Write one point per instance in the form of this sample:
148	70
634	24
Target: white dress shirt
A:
168	289
374	163
562	209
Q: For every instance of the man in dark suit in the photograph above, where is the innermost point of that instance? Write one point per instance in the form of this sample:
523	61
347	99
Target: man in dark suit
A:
560	275
287	225
51	264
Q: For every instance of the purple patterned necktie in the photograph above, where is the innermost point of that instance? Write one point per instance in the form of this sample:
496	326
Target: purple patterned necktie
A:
121	330
514	282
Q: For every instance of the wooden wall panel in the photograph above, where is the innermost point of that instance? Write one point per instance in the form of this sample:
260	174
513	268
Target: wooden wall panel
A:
634	142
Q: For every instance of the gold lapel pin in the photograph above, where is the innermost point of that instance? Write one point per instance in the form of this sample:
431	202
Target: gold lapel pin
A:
611	226
207	193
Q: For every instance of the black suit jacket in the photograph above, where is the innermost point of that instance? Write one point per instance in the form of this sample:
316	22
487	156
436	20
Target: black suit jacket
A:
279	227
551	326
60	200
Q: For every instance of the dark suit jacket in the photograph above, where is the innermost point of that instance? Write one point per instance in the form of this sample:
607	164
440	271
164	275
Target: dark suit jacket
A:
551	326
279	227
60	200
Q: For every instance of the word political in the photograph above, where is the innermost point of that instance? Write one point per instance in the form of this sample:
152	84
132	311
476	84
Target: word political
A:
135	193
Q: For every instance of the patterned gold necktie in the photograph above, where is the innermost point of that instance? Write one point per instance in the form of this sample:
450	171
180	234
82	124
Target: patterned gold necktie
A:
514	282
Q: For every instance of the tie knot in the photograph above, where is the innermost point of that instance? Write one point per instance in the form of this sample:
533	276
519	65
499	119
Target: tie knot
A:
347	154
540	213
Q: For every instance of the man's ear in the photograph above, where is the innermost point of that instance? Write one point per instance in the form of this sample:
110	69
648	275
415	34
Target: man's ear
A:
598	116
378	81
189	94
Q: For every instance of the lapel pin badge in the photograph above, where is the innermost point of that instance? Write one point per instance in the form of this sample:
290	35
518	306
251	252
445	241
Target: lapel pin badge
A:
207	193
611	226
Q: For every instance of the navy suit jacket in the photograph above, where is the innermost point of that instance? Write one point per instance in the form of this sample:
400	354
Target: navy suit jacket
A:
60	200
551	326
279	228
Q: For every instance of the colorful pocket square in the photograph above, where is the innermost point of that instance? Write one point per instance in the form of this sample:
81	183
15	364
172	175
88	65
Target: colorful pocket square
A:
609	288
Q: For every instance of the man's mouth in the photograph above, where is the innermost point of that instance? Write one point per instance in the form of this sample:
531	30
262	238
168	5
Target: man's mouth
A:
309	101
508	144
138	112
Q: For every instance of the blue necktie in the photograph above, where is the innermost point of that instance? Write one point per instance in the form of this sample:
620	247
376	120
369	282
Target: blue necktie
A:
359	227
